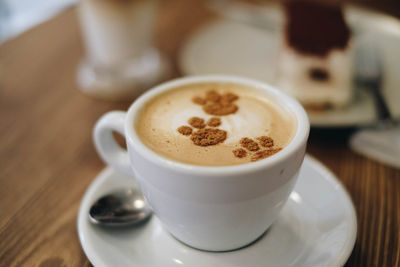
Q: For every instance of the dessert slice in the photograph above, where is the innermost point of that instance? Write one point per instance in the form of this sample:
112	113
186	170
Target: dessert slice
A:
315	61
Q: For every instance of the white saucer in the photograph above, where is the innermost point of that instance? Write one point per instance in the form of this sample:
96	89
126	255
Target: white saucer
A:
229	47
317	227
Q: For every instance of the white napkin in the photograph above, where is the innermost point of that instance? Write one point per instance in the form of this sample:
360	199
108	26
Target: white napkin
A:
382	145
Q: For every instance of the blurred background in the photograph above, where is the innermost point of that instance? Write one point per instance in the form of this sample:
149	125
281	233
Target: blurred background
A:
17	16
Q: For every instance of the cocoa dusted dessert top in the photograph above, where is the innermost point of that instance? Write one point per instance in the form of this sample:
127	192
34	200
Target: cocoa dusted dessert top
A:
315	28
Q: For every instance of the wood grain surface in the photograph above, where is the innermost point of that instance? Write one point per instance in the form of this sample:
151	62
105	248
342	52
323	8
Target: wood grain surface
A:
47	158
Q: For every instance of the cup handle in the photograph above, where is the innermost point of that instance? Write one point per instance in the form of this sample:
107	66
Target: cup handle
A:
108	149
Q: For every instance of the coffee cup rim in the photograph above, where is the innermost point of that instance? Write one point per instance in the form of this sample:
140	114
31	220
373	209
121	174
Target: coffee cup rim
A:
300	137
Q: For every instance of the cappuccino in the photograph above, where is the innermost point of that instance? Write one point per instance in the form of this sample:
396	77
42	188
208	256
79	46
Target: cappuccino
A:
215	124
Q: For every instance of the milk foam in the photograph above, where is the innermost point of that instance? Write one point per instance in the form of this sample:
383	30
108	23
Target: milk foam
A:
258	115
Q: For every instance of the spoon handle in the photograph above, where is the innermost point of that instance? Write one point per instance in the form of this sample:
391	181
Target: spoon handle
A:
369	74
382	108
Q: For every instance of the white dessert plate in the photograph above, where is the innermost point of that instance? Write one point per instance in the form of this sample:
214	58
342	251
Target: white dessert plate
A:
317	227
236	48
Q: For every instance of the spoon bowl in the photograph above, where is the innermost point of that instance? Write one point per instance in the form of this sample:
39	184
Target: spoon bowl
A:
120	208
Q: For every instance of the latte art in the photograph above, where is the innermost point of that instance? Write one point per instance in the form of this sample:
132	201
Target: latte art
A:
213	124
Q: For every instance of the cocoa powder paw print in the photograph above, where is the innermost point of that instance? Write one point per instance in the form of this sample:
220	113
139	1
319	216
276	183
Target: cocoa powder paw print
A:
204	136
261	150
217	104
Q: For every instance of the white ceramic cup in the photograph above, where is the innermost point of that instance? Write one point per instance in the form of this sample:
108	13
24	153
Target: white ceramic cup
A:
210	208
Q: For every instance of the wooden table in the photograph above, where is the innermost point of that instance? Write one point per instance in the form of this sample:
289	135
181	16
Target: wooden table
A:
47	158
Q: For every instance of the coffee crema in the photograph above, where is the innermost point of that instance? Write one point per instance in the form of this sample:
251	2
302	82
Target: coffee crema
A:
215	124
